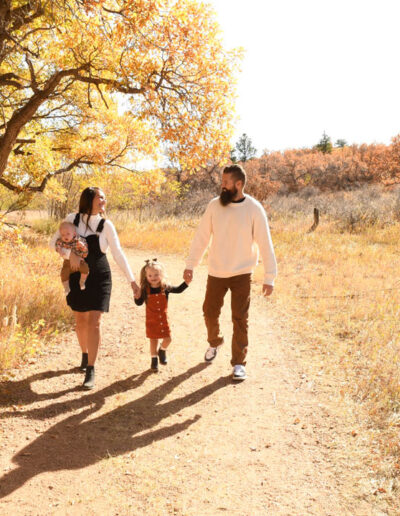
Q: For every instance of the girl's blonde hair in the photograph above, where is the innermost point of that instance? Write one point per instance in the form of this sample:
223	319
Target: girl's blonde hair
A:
144	284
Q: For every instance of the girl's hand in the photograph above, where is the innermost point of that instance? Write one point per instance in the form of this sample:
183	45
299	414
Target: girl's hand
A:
267	290
187	276
136	289
75	261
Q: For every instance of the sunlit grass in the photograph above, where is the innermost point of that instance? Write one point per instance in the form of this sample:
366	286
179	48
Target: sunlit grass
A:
165	236
342	293
31	298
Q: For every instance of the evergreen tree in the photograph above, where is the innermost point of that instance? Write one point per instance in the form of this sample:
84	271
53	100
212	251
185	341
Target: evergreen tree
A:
243	150
325	144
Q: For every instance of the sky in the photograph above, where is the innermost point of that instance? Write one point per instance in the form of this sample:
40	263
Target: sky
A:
312	66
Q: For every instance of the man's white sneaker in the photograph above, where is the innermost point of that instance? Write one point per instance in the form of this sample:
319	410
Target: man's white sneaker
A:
211	353
239	373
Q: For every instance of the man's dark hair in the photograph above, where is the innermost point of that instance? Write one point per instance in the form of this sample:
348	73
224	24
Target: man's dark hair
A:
238	173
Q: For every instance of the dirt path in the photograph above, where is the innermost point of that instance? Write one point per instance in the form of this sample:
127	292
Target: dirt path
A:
186	441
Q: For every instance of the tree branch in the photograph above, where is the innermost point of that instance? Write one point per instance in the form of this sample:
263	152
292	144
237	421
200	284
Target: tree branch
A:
101	95
112	82
34	84
28	188
10	79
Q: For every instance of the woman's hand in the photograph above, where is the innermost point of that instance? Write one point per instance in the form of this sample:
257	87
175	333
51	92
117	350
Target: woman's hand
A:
136	289
75	261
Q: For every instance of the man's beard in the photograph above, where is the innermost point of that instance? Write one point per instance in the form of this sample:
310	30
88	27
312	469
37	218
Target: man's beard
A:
227	196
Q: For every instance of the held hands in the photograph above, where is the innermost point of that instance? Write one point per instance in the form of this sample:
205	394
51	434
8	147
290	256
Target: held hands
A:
136	290
187	276
267	290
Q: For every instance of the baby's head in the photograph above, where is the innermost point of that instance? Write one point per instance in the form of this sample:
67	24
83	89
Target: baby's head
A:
152	274
67	231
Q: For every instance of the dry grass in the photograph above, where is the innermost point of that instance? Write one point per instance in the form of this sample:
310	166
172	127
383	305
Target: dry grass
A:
170	235
342	292
31	297
349	211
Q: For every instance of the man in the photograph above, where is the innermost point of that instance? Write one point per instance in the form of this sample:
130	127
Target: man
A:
234	222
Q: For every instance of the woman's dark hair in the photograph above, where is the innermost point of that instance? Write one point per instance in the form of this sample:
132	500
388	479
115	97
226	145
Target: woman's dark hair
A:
86	201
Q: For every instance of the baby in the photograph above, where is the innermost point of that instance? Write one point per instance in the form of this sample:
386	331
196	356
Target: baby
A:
77	245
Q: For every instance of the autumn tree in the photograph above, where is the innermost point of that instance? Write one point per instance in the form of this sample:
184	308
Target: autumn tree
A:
243	150
104	82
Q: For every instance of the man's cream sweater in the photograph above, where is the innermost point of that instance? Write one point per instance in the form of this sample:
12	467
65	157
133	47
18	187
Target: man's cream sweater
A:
235	231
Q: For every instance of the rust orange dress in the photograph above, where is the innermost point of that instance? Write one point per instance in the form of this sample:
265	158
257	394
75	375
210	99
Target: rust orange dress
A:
156	316
157	326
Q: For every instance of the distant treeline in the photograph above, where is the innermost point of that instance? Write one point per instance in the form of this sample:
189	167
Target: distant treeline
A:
344	168
170	191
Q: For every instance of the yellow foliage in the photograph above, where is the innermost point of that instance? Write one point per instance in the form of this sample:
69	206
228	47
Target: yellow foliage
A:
113	82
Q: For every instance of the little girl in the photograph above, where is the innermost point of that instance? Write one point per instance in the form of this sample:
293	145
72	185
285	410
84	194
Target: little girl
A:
154	292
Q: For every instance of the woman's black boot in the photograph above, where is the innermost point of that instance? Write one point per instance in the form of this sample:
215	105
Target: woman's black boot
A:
84	362
89	377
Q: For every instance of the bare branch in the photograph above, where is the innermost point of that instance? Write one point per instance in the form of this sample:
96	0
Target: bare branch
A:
118	155
34	84
111	11
101	95
24	140
117	165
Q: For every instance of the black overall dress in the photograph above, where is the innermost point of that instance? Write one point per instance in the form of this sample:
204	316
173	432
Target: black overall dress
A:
96	295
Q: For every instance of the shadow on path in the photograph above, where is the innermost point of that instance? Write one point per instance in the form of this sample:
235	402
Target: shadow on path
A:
87	399
19	392
75	443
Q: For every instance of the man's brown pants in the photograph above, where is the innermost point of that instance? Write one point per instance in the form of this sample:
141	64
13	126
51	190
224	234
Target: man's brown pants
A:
240	302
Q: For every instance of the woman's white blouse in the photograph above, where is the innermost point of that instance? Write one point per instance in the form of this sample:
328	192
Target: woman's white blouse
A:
107	238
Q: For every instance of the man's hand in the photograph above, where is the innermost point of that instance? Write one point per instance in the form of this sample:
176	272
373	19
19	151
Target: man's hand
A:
187	275
136	289
74	261
267	290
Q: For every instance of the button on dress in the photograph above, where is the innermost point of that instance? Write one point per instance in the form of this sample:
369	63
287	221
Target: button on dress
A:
156	316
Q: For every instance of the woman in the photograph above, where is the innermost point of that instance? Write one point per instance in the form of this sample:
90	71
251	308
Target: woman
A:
89	304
